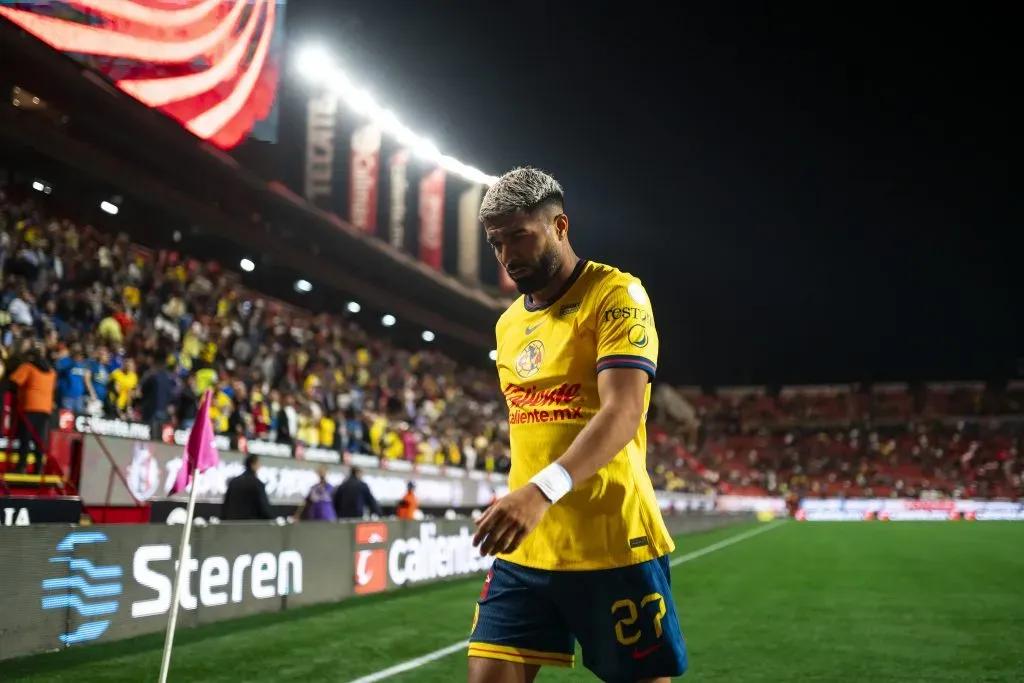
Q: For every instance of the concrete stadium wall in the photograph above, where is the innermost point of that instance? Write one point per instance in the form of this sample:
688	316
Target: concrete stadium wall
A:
150	468
68	585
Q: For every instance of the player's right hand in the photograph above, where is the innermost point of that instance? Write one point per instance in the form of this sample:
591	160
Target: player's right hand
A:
505	524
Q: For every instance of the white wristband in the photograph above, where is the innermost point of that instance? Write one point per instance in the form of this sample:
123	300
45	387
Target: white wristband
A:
553	481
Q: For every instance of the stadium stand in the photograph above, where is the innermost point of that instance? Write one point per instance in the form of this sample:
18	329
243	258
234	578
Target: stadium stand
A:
140	334
942	440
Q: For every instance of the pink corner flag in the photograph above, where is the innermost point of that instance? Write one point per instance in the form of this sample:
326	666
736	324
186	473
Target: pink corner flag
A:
200	453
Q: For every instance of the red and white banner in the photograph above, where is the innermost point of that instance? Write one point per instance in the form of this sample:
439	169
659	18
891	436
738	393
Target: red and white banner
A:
363	179
398	171
432	218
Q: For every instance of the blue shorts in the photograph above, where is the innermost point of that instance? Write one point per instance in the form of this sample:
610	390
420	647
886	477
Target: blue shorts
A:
624	618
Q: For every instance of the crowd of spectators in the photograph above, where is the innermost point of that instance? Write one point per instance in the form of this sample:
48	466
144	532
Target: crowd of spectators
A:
945	440
140	335
742	410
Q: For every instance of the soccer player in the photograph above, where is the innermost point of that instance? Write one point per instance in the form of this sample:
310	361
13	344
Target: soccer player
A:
582	550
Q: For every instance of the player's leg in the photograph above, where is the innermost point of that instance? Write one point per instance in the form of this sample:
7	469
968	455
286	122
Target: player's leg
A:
626	622
496	671
517	627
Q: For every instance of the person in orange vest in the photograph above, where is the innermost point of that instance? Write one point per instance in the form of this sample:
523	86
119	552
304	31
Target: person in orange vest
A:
408	506
35	379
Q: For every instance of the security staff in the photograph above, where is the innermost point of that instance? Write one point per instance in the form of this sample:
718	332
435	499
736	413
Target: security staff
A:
353	497
246	497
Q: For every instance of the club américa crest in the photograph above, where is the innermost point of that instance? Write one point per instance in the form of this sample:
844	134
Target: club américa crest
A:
528	363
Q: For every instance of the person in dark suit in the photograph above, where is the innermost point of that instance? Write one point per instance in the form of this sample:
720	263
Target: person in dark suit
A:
246	497
353	497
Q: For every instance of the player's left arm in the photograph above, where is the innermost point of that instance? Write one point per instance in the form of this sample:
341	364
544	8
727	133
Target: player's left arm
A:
622	392
627	360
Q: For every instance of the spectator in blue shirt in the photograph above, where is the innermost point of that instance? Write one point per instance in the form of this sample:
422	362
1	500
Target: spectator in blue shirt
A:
100	368
72	378
356	433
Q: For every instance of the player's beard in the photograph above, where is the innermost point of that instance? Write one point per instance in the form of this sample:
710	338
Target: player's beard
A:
542	273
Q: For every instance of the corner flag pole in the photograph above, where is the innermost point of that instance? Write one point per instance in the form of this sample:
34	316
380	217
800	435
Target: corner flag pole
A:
200	455
183	557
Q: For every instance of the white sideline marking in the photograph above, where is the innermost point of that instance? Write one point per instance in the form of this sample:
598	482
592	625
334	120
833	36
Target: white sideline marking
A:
413	663
463	644
724	543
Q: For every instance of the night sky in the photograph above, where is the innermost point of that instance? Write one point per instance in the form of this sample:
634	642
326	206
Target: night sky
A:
809	194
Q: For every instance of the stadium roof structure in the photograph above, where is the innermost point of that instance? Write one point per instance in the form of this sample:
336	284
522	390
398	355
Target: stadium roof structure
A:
103	133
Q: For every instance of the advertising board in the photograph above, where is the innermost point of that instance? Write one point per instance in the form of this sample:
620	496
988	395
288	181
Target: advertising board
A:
76	585
907	510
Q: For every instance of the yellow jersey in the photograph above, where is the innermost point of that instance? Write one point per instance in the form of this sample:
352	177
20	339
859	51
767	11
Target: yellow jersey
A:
124	384
548	361
327	427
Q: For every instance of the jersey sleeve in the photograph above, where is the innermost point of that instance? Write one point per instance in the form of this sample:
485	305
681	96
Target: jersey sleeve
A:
625	331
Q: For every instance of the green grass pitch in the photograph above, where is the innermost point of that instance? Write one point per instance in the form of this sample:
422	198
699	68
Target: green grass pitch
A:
870	601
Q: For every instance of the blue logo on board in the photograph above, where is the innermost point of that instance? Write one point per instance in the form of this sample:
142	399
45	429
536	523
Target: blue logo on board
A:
86	588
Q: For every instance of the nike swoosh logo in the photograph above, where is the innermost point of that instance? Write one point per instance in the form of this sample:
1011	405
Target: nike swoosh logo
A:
641	654
531	329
